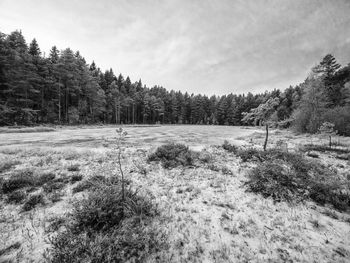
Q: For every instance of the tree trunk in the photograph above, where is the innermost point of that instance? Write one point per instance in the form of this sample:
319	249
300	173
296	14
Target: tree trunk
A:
267	136
67	92
59	101
330	141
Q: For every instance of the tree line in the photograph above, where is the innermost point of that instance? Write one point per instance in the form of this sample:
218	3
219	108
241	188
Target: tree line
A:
63	88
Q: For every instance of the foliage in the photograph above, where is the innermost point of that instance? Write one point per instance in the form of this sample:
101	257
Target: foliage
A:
62	88
19	179
33	201
82	186
340	116
7	165
290	176
328	129
53	186
44	178
172	155
16	196
229	147
263	114
73	168
98	230
76	178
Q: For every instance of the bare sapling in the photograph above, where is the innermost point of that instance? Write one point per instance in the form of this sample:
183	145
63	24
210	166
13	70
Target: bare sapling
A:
121	134
327	128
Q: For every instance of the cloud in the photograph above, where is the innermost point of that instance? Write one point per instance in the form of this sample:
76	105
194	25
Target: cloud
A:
199	46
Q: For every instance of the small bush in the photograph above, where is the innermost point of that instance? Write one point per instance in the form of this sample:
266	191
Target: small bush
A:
276	181
205	157
18	180
93	182
76	178
55	196
7	165
104	228
172	155
249	154
14	246
103	208
214	167
229	147
289	176
82	186
44	178
16	196
226	171
340	116
345	157
33	201
53	186
73	168
313	155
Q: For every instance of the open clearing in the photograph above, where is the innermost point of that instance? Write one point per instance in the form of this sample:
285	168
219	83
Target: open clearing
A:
205	210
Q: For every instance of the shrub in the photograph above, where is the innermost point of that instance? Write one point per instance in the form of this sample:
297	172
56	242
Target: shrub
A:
276	181
44	178
205	157
229	147
103	228
18	180
103	208
226	171
16	196
249	154
172	155
73	168
14	246
33	201
53	186
344	157
313	155
130	243
93	182
55	196
7	165
76	178
289	176
340	116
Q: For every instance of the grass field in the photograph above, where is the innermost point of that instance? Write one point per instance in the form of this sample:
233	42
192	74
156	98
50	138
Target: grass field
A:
205	212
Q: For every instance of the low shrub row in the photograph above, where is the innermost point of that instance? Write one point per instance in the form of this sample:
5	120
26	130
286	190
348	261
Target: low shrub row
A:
289	176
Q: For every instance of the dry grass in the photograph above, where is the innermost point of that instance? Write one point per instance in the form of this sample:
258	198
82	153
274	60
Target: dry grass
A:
206	213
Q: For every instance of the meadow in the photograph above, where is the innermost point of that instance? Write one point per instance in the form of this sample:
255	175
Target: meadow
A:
205	207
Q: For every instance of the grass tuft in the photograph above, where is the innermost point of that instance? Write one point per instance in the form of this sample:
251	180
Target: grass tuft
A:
18	180
76	178
7	165
73	168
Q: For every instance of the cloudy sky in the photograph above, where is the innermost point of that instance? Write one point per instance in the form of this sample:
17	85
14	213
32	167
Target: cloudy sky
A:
199	46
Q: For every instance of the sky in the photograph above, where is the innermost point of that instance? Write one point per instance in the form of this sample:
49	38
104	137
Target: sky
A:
199	46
